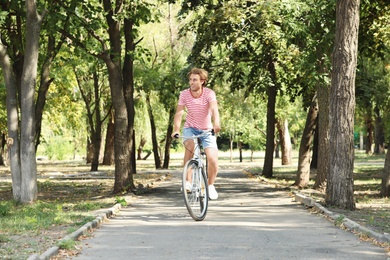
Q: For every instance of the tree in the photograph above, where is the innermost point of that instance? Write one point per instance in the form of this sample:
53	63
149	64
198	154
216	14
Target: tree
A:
284	140
13	141
323	137
29	189
162	76
22	149
94	93
339	191
117	49
385	186
310	27
303	174
109	158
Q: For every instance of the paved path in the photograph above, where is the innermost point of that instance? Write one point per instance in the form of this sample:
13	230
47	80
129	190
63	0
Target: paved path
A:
249	221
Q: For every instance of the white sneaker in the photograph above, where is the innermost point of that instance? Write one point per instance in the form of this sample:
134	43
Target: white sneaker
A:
188	186
213	194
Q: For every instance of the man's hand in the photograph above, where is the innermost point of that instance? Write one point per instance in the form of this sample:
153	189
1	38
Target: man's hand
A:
217	128
175	135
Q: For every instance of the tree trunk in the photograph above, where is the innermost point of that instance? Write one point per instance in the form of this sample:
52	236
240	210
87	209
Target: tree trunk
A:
239	144
379	133
231	146
128	89
285	141
303	173
122	135
370	134
339	191
323	137
361	140
13	144
168	141
314	157
147	155
133	159
276	149
385	187
121	80
97	140
89	150
97	132
109	158
2	145
29	189
94	118
270	142
140	149
157	159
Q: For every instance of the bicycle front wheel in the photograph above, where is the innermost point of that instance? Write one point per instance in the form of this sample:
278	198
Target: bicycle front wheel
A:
196	196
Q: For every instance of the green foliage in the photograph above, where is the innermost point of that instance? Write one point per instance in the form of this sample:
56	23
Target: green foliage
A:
372	93
374	31
87	206
67	244
41	215
5	208
58	147
121	201
3	16
245	120
247	38
339	220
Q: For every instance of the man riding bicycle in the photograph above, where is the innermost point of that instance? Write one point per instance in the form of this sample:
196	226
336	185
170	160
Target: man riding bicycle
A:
202	109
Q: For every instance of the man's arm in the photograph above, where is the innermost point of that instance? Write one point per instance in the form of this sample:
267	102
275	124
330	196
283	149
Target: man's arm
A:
177	119
215	116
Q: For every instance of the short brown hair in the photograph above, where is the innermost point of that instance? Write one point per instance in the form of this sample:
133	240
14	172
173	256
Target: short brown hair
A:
203	74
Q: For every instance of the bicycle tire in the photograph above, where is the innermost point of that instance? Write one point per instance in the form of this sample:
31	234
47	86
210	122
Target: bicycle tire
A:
197	199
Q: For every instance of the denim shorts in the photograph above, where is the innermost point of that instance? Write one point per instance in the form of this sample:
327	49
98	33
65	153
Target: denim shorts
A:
208	141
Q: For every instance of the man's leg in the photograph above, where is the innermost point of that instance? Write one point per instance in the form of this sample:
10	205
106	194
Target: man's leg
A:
212	164
189	146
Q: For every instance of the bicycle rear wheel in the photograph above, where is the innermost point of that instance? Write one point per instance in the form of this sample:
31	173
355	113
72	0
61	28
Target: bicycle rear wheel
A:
196	199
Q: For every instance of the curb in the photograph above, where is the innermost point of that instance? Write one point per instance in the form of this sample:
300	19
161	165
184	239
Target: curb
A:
351	225
76	234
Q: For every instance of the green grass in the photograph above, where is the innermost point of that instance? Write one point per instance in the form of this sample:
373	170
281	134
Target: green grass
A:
25	229
63	206
39	216
67	244
361	156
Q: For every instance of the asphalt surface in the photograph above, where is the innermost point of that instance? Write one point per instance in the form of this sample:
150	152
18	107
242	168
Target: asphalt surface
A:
250	220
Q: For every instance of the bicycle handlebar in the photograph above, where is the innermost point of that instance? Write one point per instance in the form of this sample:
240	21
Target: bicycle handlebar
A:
177	136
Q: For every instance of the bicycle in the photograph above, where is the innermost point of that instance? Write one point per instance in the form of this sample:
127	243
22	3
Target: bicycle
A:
197	197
